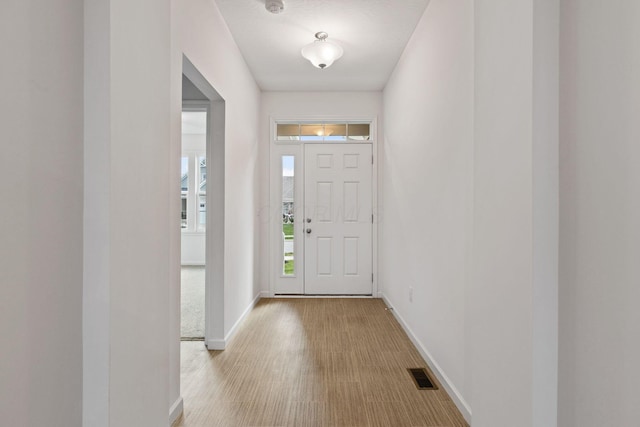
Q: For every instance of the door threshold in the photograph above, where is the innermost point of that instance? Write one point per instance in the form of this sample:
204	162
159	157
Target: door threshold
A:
320	296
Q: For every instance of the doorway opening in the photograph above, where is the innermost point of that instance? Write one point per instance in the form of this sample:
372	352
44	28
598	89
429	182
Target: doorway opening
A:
202	214
193	190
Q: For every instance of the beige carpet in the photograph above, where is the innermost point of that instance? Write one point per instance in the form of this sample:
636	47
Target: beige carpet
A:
192	302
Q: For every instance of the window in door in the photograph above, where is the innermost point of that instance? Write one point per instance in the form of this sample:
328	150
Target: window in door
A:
288	215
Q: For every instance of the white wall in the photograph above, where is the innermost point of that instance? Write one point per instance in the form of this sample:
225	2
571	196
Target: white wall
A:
41	222
192	251
426	189
139	247
126	265
200	33
600	214
514	285
297	105
546	210
471	204
96	260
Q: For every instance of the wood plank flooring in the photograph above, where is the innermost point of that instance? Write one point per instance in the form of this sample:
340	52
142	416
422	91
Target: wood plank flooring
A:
311	362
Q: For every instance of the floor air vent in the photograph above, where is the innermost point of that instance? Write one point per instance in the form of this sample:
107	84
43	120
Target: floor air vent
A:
421	378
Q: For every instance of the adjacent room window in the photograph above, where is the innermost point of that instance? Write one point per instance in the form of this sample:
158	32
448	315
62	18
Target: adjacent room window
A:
194	172
202	193
288	210
184	188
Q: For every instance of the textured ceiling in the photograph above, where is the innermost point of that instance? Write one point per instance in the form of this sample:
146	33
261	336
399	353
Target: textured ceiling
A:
373	34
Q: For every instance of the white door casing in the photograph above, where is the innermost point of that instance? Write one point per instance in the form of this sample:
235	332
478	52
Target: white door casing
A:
338	219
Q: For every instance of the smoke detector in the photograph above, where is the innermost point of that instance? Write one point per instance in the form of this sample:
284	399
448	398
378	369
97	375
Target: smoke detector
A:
274	6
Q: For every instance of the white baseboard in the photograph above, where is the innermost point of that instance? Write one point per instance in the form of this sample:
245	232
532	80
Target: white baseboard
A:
244	314
302	296
176	410
455	395
222	344
216	344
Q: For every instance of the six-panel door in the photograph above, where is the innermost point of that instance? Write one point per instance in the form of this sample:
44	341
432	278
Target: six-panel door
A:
338	219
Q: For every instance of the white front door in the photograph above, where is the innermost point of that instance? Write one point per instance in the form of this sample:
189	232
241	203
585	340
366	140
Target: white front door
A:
338	219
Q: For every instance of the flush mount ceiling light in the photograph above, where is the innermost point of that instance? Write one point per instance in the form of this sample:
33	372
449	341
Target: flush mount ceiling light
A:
274	6
321	53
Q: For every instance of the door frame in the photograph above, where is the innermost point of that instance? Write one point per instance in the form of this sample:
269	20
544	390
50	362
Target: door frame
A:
215	221
296	148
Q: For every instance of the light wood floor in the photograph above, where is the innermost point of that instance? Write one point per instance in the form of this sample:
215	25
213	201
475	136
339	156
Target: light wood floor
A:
311	362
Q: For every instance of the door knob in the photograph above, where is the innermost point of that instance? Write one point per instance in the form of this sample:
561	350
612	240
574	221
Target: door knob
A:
308	219
308	231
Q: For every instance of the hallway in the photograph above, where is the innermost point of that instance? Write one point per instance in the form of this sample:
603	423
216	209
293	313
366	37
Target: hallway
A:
506	212
311	362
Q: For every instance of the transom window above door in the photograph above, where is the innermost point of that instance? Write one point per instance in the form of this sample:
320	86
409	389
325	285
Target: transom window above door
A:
323	132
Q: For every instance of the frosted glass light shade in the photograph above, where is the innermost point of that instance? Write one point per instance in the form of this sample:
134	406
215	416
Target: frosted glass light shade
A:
322	53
